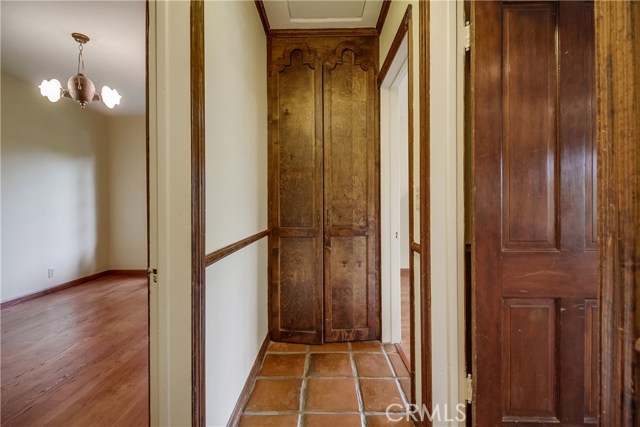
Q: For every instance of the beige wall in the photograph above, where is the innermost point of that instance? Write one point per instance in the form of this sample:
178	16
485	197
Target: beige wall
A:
236	197
127	192
55	211
74	191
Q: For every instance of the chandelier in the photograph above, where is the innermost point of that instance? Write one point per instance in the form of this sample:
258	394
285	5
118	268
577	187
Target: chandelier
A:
79	87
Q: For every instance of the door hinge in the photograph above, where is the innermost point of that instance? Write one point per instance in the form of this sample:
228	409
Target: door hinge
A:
468	389
153	275
466	36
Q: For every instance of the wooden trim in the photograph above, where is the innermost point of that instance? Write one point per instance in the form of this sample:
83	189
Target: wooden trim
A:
324	32
405	361
402	31
415	247
234	419
263	16
72	283
234	247
53	289
384	11
617	33
198	300
425	209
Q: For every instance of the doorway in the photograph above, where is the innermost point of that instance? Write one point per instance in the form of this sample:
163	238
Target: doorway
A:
399	197
394	128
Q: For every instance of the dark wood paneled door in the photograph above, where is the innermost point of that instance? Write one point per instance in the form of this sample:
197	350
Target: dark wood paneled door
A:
323	190
350	194
534	241
296	197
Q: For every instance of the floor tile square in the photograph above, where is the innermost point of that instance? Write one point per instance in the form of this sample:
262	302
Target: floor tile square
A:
372	365
324	394
398	365
330	365
370	346
275	395
283	365
329	347
286	347
405	383
337	420
379	394
284	420
395	420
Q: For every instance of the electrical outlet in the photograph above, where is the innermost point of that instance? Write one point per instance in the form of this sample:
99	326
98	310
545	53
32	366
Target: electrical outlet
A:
50	273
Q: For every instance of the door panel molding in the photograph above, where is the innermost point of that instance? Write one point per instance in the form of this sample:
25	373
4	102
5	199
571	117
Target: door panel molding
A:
534	269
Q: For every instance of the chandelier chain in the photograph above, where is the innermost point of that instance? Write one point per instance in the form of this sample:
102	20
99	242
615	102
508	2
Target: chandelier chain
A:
80	64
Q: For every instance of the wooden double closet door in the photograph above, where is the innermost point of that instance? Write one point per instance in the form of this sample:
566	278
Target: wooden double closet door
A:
323	189
536	331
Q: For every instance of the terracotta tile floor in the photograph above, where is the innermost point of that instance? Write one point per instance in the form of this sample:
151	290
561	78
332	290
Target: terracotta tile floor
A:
332	385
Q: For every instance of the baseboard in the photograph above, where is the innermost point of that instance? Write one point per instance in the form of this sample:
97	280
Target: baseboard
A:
53	289
71	284
403	356
234	419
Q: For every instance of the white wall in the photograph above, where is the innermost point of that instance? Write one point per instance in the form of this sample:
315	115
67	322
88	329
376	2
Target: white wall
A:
127	192
236	197
74	187
54	190
403	128
236	326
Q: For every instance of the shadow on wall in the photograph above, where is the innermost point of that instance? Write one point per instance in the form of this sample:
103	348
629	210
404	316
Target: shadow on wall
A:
55	225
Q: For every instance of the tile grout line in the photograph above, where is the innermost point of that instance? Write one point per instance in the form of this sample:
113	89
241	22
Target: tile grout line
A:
404	398
303	387
356	379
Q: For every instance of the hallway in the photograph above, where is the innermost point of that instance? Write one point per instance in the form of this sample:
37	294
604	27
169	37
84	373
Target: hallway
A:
336	384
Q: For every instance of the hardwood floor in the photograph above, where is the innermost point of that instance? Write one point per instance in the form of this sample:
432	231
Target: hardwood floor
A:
78	357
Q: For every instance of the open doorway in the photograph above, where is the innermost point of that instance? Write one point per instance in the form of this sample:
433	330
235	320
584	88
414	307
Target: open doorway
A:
395	201
397	280
74	293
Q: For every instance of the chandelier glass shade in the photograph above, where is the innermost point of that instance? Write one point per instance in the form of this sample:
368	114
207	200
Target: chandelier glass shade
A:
79	87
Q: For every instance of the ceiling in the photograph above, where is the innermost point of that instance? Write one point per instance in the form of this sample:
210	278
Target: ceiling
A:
37	45
36	41
288	14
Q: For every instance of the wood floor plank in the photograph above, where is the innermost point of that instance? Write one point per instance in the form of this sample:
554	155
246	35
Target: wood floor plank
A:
78	357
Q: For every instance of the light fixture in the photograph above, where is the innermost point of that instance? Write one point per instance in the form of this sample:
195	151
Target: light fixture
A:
79	87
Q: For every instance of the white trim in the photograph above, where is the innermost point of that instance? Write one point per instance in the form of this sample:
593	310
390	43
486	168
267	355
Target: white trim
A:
390	173
445	211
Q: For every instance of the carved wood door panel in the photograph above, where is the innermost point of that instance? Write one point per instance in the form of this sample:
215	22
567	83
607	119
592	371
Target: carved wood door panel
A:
295	197
535	250
350	284
323	191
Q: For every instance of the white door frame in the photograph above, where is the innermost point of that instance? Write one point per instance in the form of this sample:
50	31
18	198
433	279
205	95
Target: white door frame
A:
390	173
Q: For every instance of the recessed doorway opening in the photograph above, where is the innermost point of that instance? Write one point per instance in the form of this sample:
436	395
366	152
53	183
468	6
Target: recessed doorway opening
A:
395	195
